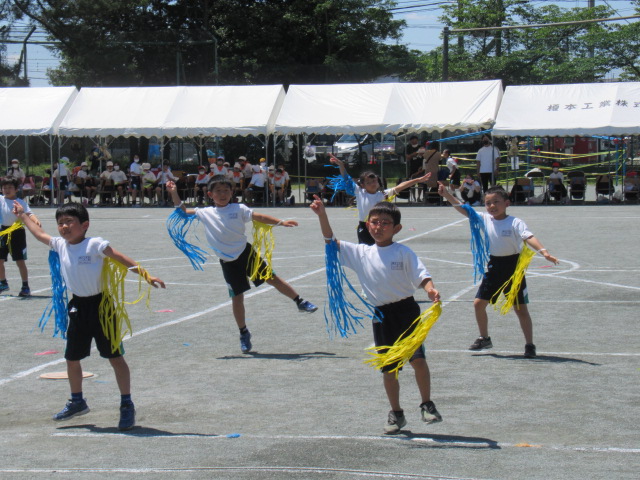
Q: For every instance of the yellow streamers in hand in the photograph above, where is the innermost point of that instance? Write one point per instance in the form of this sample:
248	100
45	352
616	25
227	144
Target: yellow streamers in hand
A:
504	302
17	225
263	245
114	318
406	345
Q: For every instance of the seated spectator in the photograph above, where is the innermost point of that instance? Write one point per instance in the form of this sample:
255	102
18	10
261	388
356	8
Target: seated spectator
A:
255	189
471	191
149	182
163	177
120	183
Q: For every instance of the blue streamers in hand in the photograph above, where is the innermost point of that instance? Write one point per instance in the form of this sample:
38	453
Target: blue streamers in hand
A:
178	225
58	304
479	242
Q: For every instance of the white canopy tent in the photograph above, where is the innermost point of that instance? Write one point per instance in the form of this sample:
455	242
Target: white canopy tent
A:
568	110
33	112
389	107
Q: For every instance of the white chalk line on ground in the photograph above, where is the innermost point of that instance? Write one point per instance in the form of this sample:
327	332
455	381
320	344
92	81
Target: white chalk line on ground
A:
441	440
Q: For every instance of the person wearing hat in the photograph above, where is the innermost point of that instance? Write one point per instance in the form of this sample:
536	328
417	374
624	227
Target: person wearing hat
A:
164	176
120	182
135	179
15	172
149	182
256	185
219	168
106	184
247	169
61	177
556	183
200	187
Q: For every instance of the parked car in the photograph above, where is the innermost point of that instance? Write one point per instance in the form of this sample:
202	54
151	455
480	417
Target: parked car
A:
364	149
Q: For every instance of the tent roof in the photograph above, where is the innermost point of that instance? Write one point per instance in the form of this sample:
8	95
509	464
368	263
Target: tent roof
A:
567	110
389	107
34	111
173	111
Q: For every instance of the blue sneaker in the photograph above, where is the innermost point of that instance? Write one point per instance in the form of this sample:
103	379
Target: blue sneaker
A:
4	287
307	307
25	292
245	342
72	409
127	417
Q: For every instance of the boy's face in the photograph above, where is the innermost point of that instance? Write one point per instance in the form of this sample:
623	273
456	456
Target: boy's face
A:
496	205
382	229
221	194
9	191
71	229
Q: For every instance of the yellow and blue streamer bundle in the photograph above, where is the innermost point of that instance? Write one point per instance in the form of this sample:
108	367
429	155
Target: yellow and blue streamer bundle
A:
479	242
114	318
505	302
17	225
344	183
58	304
263	245
343	316
403	349
178	225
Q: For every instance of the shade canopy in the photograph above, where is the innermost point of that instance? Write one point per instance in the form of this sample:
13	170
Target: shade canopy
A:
389	107
173	111
34	111
568	110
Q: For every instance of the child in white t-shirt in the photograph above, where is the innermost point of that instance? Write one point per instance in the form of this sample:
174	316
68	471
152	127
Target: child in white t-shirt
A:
389	274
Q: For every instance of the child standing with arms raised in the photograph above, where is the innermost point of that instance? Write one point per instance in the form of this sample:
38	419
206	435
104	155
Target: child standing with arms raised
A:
368	193
389	273
224	224
81	263
506	237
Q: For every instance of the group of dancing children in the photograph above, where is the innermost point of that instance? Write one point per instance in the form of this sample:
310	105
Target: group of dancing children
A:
389	274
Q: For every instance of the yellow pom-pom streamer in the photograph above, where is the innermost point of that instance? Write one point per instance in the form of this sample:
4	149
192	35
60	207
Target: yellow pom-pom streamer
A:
114	318
391	198
403	349
263	245
17	225
505	302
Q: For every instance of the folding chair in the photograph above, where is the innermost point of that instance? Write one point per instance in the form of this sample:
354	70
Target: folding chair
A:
554	190
631	188
577	186
604	187
522	190
538	184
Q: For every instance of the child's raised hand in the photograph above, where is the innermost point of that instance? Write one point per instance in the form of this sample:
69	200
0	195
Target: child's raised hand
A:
334	160
17	209
317	205
171	186
441	189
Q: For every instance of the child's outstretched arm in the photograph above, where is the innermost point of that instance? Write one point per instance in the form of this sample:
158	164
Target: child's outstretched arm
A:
340	163
175	198
412	182
443	192
269	220
319	209
432	293
32	225
133	266
534	243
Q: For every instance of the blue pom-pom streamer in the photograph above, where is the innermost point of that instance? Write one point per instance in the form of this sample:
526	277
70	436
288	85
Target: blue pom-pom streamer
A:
342	183
58	304
479	242
342	317
178	224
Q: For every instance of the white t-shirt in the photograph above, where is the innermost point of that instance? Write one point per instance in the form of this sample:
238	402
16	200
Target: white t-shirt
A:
118	176
225	228
452	163
486	156
365	201
387	274
219	170
135	169
505	236
6	210
81	264
148	179
257	180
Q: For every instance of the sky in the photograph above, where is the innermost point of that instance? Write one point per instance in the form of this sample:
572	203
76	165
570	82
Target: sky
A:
422	33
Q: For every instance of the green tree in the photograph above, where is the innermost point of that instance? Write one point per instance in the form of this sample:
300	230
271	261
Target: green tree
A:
160	42
554	54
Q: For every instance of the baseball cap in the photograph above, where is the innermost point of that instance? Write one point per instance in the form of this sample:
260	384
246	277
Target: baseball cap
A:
146	166
243	158
84	164
15	160
109	164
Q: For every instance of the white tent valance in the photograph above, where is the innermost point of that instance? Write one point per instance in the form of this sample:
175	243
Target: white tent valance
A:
389	107
568	110
34	111
173	111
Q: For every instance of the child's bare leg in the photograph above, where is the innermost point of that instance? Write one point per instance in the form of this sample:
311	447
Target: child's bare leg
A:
282	286
480	307
22	267
2	271
123	376
237	305
74	372
423	378
525	321
392	387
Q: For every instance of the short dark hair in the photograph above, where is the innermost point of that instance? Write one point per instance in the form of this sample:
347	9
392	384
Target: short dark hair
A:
9	181
368	174
219	179
73	209
387	208
498	190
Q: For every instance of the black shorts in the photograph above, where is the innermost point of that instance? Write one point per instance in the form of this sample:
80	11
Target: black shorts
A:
499	270
398	317
455	178
17	247
236	273
363	234
84	325
135	182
